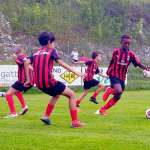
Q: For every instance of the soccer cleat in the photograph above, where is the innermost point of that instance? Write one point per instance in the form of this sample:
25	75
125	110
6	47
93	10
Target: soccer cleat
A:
24	110
93	100
102	112
2	94
77	124
11	116
46	120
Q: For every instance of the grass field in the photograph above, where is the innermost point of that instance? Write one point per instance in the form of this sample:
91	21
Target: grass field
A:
125	128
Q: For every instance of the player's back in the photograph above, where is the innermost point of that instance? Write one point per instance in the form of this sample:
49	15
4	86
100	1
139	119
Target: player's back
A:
43	66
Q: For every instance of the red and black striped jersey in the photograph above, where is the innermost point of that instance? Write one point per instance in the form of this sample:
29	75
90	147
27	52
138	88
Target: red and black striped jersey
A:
119	63
92	68
43	62
21	70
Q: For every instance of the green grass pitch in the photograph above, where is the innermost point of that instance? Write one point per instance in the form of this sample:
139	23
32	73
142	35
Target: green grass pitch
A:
125	128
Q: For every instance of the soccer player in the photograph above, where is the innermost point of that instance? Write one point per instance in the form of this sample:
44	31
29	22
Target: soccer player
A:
43	62
18	87
117	70
89	82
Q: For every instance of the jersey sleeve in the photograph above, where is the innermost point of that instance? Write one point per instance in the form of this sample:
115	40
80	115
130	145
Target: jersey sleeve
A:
54	55
135	60
20	59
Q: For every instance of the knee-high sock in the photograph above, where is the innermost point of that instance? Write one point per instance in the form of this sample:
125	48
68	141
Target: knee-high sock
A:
107	92
10	101
49	110
74	114
21	99
97	91
109	104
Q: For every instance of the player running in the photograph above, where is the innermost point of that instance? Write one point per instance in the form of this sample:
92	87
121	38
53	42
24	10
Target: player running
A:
89	81
117	70
43	63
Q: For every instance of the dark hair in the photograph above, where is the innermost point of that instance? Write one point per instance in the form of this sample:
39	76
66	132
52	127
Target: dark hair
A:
125	36
95	54
45	37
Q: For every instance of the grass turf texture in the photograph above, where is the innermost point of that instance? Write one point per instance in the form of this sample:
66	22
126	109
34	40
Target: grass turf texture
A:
124	128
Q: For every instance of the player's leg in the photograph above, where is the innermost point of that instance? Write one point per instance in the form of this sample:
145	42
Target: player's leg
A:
118	86
72	106
21	88
95	94
22	102
107	93
85	92
49	110
9	97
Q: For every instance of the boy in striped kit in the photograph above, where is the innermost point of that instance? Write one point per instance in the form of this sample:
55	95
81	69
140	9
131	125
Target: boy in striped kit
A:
117	70
18	87
89	82
43	62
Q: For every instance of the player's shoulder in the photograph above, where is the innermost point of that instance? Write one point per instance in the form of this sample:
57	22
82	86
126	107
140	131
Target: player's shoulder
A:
89	62
116	50
131	52
21	58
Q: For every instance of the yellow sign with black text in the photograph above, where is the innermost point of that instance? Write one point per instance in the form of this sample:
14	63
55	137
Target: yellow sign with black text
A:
69	76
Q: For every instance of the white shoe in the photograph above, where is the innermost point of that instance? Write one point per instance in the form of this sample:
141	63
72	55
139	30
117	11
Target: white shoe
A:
24	110
11	116
97	112
2	94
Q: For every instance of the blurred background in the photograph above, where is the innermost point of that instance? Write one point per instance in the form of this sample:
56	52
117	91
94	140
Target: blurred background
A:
84	25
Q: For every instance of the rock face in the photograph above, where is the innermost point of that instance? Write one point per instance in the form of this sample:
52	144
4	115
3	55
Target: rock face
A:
6	40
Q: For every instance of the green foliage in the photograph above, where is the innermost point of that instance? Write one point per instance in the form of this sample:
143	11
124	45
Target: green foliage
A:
96	21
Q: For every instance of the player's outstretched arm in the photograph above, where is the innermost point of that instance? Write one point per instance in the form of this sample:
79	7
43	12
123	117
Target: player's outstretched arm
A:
142	66
66	66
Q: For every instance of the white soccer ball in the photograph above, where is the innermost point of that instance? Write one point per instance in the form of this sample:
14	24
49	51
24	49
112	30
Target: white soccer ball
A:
147	113
146	73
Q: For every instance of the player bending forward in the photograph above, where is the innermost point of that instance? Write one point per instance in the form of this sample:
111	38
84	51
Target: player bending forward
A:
43	62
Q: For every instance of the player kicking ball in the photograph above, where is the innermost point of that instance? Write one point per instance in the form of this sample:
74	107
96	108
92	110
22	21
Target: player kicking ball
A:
43	63
117	70
89	81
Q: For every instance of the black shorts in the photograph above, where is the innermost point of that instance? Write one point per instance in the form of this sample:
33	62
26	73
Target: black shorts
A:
55	90
115	80
90	84
20	87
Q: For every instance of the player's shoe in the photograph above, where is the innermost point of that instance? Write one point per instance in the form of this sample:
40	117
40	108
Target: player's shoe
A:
77	124
24	110
11	116
77	105
2	94
102	112
46	120
93	100
106	94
